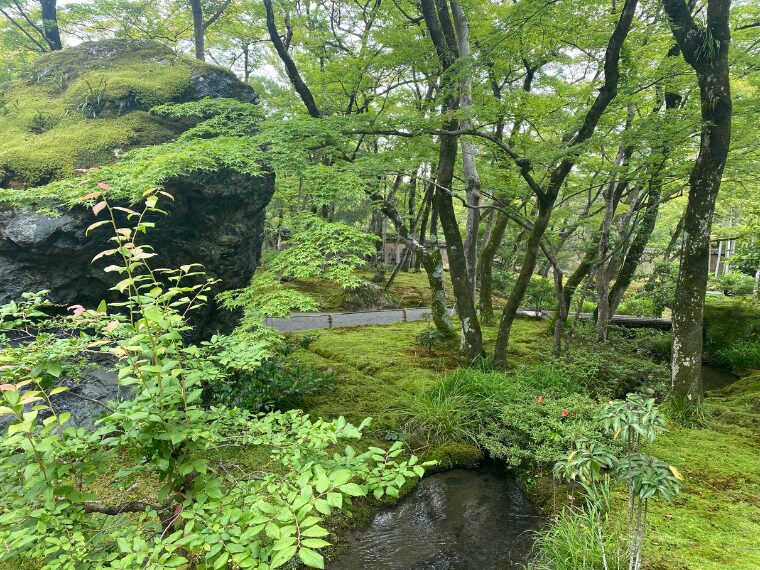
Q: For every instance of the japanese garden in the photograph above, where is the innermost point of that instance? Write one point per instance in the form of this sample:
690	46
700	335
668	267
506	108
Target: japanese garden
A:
380	284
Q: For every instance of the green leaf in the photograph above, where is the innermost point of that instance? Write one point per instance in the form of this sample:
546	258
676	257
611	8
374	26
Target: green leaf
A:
352	489
282	556
311	558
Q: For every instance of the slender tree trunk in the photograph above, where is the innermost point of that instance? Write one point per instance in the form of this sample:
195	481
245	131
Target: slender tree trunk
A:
472	179
487	255
50	24
472	340
602	272
290	67
712	70
540	224
199	32
442	33
547	195
433	266
637	247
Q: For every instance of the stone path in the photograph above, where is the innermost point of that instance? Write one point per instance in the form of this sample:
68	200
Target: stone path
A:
314	321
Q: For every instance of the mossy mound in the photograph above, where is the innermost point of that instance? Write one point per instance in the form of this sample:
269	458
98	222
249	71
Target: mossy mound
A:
82	107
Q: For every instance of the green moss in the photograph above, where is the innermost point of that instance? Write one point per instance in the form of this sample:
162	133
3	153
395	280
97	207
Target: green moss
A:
451	455
84	105
715	522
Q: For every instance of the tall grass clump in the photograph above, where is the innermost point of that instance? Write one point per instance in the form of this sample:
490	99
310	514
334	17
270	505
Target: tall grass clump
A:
743	353
572	543
457	408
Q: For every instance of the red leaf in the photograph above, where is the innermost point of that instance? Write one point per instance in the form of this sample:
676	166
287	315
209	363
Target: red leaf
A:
103	186
96	209
90	196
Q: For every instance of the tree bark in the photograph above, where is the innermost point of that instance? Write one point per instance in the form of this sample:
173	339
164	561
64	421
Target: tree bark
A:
50	24
611	199
290	67
485	268
472	179
199	32
540	224
706	50
443	36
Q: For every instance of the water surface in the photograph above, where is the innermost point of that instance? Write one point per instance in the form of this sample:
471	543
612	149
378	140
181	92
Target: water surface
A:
456	520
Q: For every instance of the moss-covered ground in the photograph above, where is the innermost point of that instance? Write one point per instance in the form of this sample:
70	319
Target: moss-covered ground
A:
714	524
409	289
376	368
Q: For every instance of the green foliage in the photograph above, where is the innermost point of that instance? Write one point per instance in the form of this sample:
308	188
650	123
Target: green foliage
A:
456	409
661	290
639	306
194	508
273	384
535	429
734	283
433	339
595	468
317	249
540	294
743	353
732	331
572	542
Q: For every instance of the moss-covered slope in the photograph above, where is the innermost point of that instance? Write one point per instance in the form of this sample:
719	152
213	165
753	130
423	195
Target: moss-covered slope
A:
82	107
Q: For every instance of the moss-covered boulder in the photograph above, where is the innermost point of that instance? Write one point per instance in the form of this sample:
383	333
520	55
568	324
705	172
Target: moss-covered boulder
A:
83	108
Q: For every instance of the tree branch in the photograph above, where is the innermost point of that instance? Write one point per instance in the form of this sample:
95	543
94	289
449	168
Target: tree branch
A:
290	67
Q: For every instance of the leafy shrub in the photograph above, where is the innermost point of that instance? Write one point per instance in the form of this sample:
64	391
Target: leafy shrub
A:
734	283
432	339
540	294
536	429
660	344
594	468
194	508
661	289
638	306
728	322
272	385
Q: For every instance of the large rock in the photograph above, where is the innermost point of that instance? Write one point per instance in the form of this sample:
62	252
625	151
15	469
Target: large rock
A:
217	218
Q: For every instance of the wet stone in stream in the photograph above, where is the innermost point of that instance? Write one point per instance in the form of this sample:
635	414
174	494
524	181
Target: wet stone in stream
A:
457	520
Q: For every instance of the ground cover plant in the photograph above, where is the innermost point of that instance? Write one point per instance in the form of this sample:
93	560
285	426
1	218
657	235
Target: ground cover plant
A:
193	508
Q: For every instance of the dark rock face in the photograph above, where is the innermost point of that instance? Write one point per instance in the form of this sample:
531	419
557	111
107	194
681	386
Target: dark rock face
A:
216	219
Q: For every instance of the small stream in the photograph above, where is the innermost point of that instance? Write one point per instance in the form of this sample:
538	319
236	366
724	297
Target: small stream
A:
456	520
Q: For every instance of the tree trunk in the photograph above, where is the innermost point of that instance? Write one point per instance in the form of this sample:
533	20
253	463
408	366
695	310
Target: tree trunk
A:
50	24
199	32
487	255
540	224
433	266
712	70
443	36
472	179
547	196
472	340
290	67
